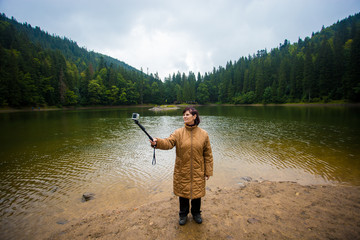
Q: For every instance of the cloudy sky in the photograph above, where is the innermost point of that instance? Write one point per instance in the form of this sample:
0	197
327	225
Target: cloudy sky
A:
167	36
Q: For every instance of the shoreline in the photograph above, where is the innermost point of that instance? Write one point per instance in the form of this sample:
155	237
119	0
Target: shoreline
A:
29	109
254	210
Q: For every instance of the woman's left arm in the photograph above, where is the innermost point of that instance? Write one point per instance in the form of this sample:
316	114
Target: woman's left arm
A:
208	159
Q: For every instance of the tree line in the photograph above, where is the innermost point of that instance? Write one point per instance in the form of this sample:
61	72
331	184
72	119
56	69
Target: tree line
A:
323	68
39	69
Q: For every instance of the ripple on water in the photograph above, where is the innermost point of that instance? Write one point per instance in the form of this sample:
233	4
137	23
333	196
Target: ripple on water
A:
44	177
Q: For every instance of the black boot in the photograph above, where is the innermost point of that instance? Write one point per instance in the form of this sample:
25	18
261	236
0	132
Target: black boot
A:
197	218
182	220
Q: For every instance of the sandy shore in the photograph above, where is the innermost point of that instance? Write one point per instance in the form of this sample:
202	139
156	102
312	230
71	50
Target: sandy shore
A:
255	210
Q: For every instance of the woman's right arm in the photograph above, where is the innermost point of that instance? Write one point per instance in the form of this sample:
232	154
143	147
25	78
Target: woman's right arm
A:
164	144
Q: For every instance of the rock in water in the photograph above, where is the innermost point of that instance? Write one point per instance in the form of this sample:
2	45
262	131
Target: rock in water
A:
53	189
246	179
253	220
62	221
87	197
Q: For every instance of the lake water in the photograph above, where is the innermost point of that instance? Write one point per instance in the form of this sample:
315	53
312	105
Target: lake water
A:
49	159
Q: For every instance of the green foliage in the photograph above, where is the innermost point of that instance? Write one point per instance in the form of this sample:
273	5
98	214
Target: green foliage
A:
247	98
203	95
122	97
96	92
71	98
267	97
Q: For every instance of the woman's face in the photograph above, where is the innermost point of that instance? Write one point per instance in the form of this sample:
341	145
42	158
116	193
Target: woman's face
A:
189	118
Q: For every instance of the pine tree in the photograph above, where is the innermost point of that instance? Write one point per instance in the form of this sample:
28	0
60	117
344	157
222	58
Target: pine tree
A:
325	64
308	82
354	94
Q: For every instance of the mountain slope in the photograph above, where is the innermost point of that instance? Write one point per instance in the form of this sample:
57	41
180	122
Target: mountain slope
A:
37	69
40	69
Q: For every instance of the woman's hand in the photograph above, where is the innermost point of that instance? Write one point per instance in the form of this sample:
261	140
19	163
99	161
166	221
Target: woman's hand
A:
207	177
153	143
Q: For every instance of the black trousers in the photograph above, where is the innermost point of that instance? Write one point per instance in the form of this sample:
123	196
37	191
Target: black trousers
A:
184	206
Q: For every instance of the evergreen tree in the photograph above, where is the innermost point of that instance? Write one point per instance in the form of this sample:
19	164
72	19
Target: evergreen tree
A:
354	91
260	81
308	82
325	65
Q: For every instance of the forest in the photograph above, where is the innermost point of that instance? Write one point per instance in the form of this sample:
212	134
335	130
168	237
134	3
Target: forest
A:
39	69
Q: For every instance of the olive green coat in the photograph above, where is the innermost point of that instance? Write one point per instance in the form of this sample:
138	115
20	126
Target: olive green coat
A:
194	160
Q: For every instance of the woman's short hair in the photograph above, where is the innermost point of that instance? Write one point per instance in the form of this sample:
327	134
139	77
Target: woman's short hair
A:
193	111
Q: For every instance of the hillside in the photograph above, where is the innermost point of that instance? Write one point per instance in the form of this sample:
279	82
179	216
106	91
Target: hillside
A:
67	47
38	69
320	68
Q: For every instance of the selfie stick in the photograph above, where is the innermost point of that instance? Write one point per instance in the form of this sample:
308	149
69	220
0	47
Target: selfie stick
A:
135	117
142	128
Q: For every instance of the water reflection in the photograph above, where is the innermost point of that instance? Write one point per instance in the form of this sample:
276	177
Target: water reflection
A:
291	139
49	159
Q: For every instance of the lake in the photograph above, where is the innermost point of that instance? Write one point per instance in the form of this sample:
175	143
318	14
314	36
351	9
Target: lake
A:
48	159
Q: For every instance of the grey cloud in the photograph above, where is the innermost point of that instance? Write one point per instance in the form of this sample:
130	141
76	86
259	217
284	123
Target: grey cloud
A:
187	35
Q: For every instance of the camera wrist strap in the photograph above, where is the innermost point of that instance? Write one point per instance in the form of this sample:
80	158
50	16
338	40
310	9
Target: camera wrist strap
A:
154	159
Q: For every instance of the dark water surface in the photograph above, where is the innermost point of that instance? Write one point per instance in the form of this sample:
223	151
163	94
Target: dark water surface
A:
49	159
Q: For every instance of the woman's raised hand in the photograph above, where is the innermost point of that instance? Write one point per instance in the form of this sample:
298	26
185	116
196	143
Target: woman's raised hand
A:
153	143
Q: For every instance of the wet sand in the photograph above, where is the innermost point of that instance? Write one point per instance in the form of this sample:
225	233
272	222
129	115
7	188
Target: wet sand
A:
254	210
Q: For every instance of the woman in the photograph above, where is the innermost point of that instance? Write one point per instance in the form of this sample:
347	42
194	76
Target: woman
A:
193	164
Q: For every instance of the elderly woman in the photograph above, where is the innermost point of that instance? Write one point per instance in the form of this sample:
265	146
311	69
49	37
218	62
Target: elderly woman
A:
193	164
